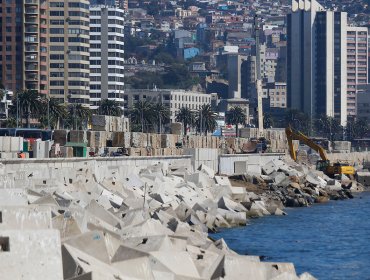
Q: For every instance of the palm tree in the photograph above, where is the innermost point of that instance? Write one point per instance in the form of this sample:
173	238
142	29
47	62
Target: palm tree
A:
161	114
29	103
110	108
236	116
142	115
78	116
206	119
55	110
186	117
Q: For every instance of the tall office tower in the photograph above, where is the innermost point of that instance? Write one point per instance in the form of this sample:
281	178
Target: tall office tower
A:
69	51
106	54
23	45
234	63
357	65
317	60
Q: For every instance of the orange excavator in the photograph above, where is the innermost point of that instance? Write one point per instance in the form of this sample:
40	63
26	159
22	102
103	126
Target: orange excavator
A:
323	164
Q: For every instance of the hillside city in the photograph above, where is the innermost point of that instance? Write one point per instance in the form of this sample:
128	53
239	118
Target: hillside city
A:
184	139
160	62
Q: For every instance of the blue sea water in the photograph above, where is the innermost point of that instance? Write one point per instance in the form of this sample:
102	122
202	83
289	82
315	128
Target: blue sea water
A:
330	240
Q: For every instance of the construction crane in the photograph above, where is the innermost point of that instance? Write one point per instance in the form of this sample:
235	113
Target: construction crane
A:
258	77
323	164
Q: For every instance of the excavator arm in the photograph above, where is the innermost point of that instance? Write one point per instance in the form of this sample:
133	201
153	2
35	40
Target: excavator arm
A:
291	135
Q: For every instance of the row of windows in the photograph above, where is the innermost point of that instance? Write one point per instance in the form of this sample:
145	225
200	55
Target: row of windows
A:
70	13
110	13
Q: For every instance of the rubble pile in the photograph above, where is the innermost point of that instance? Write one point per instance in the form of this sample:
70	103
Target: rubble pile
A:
150	223
296	185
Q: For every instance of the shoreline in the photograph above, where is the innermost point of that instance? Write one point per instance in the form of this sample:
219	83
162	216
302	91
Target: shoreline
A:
159	215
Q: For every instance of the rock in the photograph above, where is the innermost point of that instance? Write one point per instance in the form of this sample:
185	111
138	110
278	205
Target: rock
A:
321	199
279	212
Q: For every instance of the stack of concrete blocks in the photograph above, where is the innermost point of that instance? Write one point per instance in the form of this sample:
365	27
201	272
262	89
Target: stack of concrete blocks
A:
97	139
342	147
121	139
278	140
109	123
41	149
248	132
10	146
206	156
78	136
139	139
29	247
60	136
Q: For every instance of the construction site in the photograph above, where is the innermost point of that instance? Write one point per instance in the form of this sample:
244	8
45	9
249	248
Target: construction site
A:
125	205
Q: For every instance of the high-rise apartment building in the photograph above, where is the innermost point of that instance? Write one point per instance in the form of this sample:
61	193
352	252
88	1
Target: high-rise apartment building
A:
69	50
357	65
317	60
24	45
106	54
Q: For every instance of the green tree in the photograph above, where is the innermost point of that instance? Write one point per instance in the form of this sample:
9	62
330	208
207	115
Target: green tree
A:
206	119
268	120
236	116
361	128
29	103
57	112
142	116
298	121
161	115
78	116
186	117
110	108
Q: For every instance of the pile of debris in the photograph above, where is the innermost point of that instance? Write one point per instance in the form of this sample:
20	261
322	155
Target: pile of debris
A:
295	185
151	223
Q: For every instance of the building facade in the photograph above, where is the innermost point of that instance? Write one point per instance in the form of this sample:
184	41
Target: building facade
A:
106	54
174	99
69	51
24	45
357	65
277	94
363	102
317	60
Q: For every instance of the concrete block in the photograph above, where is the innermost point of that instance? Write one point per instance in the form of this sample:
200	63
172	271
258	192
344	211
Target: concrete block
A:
240	167
363	178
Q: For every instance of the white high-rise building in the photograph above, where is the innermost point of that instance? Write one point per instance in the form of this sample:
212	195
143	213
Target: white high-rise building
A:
106	54
357	65
317	60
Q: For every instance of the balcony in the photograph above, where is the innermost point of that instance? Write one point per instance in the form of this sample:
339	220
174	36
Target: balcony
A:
31	58
31	11
31	39
31	2
31	78
31	20
32	67
31	49
31	30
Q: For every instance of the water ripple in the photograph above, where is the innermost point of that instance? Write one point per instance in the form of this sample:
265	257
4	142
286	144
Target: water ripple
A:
331	241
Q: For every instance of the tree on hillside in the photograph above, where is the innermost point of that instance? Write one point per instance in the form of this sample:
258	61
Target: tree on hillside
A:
236	116
186	117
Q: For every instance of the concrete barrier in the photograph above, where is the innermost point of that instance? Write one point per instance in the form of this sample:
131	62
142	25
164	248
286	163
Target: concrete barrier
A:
227	162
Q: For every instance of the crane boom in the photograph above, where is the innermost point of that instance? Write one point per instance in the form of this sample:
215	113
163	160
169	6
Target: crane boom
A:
291	135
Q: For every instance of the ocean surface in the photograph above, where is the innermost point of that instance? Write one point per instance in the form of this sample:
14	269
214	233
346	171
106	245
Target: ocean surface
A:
330	240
